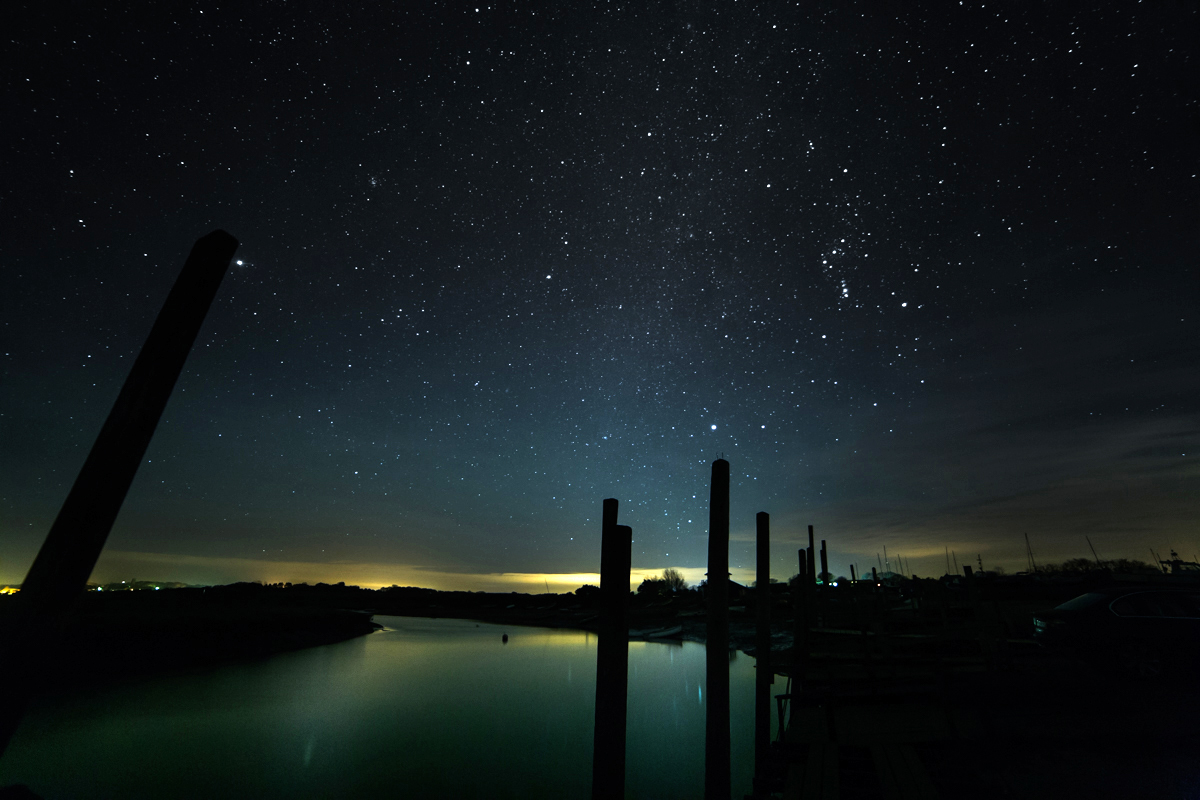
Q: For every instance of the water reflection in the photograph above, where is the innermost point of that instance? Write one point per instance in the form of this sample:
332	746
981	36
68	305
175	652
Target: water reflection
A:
427	708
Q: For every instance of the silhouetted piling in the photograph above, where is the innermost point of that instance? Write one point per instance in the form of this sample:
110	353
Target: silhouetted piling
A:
812	557
987	642
800	623
764	672
853	575
717	781
972	596
612	658
61	569
824	563
810	586
73	545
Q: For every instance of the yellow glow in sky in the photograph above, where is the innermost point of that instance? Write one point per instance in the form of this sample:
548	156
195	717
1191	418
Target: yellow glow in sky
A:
116	565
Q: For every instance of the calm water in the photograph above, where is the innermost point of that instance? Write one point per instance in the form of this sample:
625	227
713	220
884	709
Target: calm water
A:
427	708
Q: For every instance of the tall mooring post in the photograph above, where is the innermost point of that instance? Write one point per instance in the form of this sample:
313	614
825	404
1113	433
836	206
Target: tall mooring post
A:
764	668
824	586
800	623
812	557
60	571
717	780
612	658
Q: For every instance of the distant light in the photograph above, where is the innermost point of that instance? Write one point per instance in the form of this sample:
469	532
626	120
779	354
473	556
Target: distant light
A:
714	427
240	262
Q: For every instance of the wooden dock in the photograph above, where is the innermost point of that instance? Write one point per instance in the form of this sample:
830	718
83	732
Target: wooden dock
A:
858	727
868	745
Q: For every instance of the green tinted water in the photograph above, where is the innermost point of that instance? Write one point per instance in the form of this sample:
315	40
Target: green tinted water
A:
427	708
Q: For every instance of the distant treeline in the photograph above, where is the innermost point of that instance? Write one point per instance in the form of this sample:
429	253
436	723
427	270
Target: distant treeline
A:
1078	566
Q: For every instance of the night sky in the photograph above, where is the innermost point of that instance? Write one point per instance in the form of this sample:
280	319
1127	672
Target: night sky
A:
925	274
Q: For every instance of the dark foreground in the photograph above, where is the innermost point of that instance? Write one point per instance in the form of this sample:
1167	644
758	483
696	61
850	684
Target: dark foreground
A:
898	720
922	692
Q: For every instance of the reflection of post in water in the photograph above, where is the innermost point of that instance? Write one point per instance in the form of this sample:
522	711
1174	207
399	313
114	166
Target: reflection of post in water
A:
764	670
64	563
717	782
612	657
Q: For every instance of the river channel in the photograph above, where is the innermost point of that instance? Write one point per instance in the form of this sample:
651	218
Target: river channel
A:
425	708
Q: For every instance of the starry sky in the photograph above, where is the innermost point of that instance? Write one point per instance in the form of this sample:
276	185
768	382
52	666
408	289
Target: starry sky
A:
925	274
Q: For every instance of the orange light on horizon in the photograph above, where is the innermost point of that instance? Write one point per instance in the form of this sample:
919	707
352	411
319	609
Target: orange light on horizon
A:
209	570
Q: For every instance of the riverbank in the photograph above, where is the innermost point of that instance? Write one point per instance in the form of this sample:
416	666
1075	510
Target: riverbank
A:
144	631
106	638
113	635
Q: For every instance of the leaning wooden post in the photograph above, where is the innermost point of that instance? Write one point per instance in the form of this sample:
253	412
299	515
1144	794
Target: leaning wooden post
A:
612	658
764	672
63	565
717	779
61	569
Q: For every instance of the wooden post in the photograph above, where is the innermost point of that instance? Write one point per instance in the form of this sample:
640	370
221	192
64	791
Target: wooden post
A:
66	559
717	778
612	658
812	557
853	575
799	625
986	642
764	670
63	565
945	597
972	598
